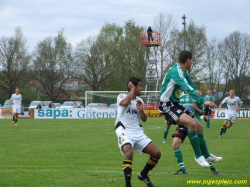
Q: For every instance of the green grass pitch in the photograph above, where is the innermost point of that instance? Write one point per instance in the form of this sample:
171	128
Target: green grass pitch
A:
67	153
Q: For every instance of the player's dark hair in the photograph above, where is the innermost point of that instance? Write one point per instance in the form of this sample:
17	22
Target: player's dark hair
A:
135	81
17	87
184	55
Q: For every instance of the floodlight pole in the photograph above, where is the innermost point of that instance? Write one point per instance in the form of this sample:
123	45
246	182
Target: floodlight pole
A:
184	23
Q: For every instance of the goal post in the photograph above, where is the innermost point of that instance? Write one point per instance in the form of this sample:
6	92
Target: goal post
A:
150	98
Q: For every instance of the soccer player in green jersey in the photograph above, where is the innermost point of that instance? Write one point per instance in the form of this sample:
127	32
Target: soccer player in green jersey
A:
182	131
208	109
176	78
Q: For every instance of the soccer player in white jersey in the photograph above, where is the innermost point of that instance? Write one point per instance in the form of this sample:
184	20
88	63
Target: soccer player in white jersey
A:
16	99
234	104
130	132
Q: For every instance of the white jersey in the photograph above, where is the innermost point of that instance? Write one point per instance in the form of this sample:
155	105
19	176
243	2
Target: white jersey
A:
232	104
129	116
16	100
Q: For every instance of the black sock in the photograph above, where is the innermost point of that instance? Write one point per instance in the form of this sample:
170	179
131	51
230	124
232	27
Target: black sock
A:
151	163
127	170
222	129
16	119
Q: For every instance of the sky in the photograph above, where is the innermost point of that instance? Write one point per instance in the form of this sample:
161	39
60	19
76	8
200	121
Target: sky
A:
82	18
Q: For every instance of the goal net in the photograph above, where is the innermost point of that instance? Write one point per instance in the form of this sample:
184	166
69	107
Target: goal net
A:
150	98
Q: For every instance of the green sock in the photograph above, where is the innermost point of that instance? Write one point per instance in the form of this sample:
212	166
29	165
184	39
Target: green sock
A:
211	165
205	119
165	133
203	146
208	122
193	137
179	158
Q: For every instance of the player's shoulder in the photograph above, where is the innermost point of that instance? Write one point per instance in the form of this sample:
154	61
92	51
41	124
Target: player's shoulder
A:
237	97
138	98
121	95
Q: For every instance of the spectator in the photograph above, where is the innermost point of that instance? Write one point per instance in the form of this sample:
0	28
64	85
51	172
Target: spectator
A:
247	108
150	32
39	106
51	105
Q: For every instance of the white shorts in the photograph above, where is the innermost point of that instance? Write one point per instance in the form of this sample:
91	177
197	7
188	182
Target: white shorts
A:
230	117
138	140
17	109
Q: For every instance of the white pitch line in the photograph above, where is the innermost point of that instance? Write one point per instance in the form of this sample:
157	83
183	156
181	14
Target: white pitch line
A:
52	170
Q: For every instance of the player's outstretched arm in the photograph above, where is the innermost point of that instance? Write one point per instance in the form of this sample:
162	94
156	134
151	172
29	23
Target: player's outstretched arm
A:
238	109
220	107
10	103
199	111
210	103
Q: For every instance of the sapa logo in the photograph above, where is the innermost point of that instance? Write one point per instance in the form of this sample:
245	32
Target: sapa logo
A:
50	113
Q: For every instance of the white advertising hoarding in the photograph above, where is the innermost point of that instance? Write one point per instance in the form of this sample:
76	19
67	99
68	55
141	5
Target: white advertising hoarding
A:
86	113
74	113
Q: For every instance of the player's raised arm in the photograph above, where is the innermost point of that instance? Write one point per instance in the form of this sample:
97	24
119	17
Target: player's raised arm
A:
131	95
143	115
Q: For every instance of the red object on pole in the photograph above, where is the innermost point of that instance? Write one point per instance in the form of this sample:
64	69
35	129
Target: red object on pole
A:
151	38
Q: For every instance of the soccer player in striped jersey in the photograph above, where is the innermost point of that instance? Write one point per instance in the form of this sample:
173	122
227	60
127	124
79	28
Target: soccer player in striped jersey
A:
177	77
234	104
208	109
16	99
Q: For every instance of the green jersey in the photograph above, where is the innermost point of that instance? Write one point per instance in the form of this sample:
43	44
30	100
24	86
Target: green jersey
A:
209	98
187	101
175	81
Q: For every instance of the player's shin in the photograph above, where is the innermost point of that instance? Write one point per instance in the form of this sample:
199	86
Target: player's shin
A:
203	146
208	122
127	170
151	163
179	158
165	133
223	127
193	137
16	119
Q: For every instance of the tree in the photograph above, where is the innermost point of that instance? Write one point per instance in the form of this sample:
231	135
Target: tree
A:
53	65
93	63
14	59
196	42
165	25
235	57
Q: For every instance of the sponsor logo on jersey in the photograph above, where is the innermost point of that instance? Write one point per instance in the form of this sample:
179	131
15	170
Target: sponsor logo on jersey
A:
133	111
178	92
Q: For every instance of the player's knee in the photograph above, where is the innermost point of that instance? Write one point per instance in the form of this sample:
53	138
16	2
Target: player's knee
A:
176	145
128	155
191	124
157	154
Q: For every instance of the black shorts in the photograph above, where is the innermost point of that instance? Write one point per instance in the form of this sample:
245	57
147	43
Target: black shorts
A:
181	132
172	111
208	111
